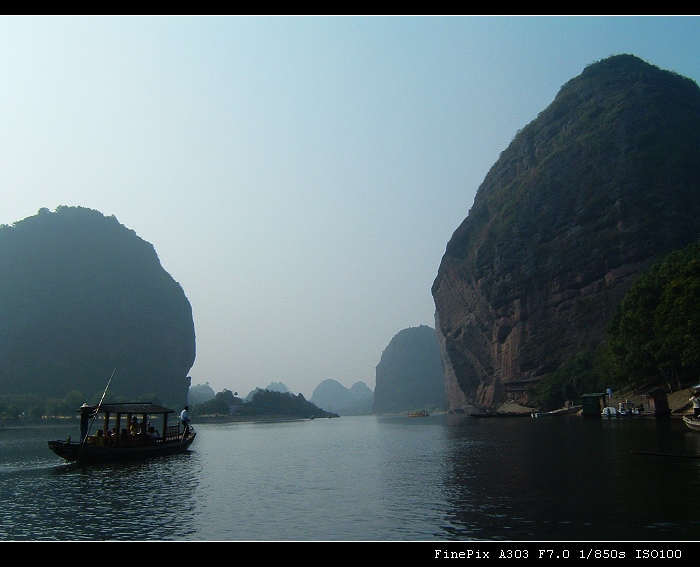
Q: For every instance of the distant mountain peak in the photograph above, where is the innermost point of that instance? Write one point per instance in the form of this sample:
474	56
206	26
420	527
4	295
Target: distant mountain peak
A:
332	396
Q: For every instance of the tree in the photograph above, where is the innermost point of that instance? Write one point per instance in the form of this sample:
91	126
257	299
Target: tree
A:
655	332
580	376
223	403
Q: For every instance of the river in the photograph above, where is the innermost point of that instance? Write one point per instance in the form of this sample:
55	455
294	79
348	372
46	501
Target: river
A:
441	478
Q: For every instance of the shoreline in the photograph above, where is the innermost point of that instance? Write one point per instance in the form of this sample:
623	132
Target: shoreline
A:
70	422
251	419
678	403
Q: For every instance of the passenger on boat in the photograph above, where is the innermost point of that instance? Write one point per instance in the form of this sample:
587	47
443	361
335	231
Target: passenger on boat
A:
99	438
153	433
124	437
134	426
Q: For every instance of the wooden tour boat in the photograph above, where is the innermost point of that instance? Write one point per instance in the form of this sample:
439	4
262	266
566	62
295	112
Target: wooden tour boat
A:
122	437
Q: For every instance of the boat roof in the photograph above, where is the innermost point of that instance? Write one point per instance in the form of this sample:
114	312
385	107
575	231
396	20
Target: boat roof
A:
129	407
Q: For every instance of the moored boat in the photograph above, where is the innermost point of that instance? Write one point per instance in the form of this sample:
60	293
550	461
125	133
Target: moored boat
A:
420	413
571	410
692	422
624	409
627	408
609	411
122	437
500	414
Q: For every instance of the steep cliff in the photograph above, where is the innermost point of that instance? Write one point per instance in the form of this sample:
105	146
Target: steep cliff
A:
604	182
409	374
82	296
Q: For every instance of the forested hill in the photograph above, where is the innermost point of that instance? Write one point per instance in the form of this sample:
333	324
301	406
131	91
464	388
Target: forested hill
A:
82	296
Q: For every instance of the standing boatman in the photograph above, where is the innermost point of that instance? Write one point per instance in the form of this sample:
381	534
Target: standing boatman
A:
86	413
185	419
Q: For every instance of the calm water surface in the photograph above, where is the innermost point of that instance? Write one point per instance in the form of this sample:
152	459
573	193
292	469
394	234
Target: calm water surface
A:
367	478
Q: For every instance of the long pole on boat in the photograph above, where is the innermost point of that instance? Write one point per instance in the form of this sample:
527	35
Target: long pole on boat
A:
107	387
97	409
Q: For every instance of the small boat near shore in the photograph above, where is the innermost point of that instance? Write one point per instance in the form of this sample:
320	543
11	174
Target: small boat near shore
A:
122	437
561	411
501	414
419	413
692	422
624	409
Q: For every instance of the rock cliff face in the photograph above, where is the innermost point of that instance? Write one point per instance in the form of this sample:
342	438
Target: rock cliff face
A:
409	374
82	296
603	183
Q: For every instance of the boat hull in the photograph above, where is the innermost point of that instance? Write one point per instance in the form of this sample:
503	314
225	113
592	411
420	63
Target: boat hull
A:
562	411
693	423
83	453
500	414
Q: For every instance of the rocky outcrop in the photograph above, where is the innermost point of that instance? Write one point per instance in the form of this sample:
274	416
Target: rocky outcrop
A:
199	394
409	374
82	297
603	183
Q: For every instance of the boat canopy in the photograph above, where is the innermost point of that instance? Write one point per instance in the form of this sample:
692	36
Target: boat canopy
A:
130	407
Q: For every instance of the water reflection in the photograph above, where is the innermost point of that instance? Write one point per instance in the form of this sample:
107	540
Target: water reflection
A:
569	479
343	479
446	477
44	499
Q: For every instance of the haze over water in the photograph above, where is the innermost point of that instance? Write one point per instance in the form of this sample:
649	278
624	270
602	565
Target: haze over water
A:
300	177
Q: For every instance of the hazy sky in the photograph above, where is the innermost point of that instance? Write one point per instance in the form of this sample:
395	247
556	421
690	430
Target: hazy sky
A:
299	177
